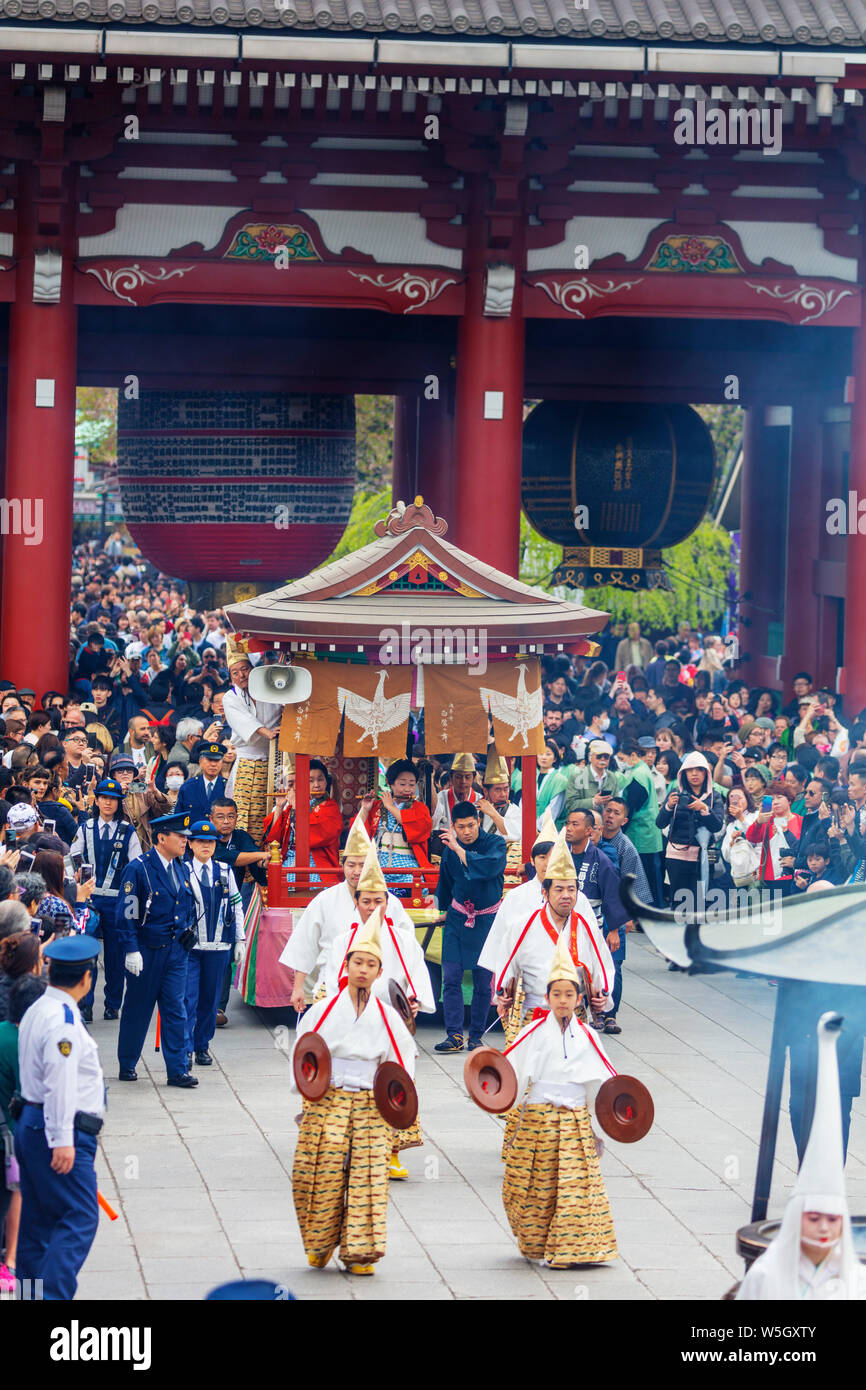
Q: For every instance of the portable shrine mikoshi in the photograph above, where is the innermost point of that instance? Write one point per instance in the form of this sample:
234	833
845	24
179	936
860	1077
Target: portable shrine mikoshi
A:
405	625
813	945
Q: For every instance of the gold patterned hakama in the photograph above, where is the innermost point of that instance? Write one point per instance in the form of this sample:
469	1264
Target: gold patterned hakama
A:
340	1177
411	1138
553	1192
250	792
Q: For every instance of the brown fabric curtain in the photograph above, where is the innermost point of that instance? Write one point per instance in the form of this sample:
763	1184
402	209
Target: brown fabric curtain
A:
376	701
456	703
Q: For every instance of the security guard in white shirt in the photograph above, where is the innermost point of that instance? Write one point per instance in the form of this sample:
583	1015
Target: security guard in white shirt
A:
59	1114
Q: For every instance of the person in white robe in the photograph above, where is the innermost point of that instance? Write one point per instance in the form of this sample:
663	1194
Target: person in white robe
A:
328	914
500	816
812	1258
402	961
340	1172
254	725
460	788
527	950
552	1191
519	903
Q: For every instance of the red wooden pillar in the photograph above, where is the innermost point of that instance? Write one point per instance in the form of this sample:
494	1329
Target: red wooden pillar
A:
436	458
765	445
805	516
489	429
528	787
302	820
403	488
40	443
855	583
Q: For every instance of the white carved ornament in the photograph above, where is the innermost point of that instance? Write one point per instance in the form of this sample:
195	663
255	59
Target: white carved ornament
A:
131	277
415	287
570	294
498	291
47	276
805	297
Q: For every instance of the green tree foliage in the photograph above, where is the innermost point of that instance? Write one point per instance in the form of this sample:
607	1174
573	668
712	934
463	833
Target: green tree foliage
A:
96	422
374	435
698	568
367	508
725	423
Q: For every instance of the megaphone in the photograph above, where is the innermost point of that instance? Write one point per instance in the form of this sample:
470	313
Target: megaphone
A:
280	685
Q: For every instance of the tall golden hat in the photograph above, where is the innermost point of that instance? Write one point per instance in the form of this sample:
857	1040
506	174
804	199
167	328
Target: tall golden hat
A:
496	772
560	865
548	833
368	937
372	879
236	650
358	843
463	762
562	967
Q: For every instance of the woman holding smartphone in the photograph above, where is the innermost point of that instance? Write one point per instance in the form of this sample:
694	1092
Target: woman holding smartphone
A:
777	830
693	805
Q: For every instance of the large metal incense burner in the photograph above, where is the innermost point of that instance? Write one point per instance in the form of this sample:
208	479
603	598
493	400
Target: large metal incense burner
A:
814	946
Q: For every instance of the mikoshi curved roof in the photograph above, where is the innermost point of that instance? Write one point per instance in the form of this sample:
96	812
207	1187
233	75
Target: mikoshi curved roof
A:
411	575
817	937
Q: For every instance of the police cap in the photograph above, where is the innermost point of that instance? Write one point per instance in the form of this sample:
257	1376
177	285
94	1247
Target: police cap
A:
203	830
78	948
108	787
212	750
168	824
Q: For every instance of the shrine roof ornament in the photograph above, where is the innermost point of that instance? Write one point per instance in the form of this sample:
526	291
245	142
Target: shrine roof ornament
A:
712	22
411	574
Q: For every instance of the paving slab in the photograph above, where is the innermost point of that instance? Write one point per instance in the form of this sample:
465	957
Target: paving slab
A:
202	1179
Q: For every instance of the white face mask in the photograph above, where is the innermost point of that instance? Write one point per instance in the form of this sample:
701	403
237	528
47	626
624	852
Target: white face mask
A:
604	722
174	783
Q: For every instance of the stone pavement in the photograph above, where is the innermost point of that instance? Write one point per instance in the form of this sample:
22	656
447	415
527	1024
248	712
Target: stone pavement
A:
202	1180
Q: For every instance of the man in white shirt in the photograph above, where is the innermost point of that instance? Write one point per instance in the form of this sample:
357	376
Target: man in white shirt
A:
255	724
500	815
137	741
461	788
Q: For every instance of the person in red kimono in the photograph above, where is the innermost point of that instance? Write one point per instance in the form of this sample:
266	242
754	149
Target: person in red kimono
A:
326	823
399	824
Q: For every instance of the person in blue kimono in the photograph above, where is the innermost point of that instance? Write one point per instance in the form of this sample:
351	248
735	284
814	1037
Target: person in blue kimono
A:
469	892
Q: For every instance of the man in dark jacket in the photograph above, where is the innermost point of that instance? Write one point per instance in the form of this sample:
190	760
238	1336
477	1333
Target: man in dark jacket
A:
469	892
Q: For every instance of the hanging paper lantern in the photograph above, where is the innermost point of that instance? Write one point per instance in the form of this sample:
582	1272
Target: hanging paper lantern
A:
236	485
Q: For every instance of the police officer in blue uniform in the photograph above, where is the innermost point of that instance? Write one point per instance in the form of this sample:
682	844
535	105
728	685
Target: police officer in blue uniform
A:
220	926
197	794
58	1117
108	843
157	920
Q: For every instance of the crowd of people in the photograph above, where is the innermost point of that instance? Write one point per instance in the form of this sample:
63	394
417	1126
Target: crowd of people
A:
134	830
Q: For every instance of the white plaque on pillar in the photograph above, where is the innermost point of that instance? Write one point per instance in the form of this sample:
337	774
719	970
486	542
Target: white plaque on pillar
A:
494	405
45	391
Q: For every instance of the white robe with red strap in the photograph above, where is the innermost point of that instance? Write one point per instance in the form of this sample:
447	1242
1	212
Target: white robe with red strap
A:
527	953
518	905
445	803
403	961
557	1063
358	1045
326	916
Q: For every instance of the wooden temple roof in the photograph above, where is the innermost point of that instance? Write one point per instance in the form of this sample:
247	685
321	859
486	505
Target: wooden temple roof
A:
412	575
714	22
